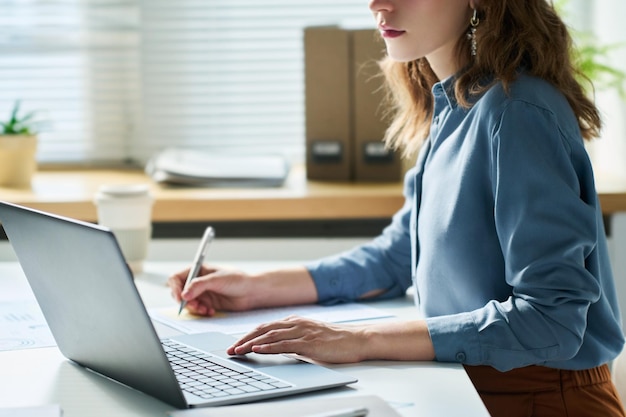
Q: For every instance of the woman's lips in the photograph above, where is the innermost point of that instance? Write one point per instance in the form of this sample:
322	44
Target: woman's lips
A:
388	32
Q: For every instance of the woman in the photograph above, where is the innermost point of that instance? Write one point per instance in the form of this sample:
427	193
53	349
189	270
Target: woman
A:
501	233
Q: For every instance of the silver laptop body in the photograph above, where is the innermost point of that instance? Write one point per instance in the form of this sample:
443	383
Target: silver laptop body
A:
95	313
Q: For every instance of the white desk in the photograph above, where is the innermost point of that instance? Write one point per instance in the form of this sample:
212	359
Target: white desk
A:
43	376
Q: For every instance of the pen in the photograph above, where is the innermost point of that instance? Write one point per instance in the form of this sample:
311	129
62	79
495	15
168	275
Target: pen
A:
207	238
343	412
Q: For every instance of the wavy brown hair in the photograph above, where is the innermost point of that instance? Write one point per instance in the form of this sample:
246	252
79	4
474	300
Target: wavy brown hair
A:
512	34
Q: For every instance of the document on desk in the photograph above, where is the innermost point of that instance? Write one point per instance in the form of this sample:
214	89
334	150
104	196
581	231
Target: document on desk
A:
23	326
375	406
242	322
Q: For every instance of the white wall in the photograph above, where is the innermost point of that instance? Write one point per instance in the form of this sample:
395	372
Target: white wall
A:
275	249
230	250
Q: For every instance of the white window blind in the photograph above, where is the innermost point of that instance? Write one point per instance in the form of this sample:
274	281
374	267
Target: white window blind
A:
120	80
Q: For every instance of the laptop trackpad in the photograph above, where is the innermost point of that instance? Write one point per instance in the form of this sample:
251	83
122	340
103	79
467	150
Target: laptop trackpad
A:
216	343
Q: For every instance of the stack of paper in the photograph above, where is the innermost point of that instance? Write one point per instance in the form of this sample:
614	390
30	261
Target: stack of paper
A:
202	168
244	321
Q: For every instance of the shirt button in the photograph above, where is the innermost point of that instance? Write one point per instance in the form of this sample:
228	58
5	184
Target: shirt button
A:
460	357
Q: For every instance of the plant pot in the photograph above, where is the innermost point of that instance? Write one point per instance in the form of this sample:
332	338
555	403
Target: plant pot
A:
17	160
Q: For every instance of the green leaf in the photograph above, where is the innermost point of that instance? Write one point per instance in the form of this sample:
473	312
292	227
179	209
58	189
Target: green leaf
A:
17	125
590	57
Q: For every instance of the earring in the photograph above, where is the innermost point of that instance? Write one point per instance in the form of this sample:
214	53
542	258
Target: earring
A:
474	21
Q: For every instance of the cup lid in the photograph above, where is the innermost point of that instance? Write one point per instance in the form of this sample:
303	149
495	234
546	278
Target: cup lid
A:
124	190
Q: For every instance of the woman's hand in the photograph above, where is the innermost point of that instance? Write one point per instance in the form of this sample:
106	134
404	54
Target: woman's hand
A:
339	343
218	289
320	341
213	290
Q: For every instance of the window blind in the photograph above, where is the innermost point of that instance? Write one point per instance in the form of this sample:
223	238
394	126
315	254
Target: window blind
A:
116	81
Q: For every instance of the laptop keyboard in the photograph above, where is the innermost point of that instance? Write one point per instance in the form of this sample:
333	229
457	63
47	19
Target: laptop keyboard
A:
199	374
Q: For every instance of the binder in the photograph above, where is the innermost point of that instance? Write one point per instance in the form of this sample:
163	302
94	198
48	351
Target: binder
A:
345	120
327	102
373	161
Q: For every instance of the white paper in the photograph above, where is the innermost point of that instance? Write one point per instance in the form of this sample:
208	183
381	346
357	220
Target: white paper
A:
242	322
14	287
23	326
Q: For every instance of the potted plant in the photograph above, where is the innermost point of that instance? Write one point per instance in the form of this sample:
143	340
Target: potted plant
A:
605	82
591	58
18	146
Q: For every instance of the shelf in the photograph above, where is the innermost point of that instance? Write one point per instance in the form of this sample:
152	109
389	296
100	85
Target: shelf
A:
70	193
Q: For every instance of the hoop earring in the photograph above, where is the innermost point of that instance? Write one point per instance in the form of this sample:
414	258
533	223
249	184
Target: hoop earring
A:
474	21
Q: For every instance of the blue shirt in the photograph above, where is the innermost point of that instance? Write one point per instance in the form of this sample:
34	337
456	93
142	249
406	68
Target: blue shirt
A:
501	235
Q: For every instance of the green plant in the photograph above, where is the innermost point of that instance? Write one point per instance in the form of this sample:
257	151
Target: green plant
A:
18	125
591	58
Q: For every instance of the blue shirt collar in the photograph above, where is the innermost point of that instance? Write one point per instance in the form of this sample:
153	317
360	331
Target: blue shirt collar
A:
445	89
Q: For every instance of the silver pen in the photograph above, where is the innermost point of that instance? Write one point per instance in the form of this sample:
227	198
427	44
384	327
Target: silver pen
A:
207	238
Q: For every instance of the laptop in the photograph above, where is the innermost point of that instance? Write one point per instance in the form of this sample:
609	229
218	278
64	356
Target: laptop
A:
87	294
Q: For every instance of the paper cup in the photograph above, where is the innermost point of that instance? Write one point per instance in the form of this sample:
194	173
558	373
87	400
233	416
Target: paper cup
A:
126	209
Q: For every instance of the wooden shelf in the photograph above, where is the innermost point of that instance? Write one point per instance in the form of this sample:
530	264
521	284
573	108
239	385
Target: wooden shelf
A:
70	193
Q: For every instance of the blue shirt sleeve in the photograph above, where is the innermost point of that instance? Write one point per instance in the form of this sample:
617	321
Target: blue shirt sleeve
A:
548	223
502	236
384	263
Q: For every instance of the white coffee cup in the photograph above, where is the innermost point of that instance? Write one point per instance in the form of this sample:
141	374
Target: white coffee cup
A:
126	209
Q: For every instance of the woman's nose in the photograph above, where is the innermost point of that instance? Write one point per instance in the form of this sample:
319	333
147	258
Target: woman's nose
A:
380	5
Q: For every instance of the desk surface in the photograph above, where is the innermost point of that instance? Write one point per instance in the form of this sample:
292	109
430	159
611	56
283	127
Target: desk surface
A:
70	193
43	376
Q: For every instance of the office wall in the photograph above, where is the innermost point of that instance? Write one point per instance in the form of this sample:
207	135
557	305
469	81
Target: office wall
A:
283	249
231	250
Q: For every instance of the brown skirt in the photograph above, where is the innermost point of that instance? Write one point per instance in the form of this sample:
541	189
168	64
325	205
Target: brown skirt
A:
537	391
